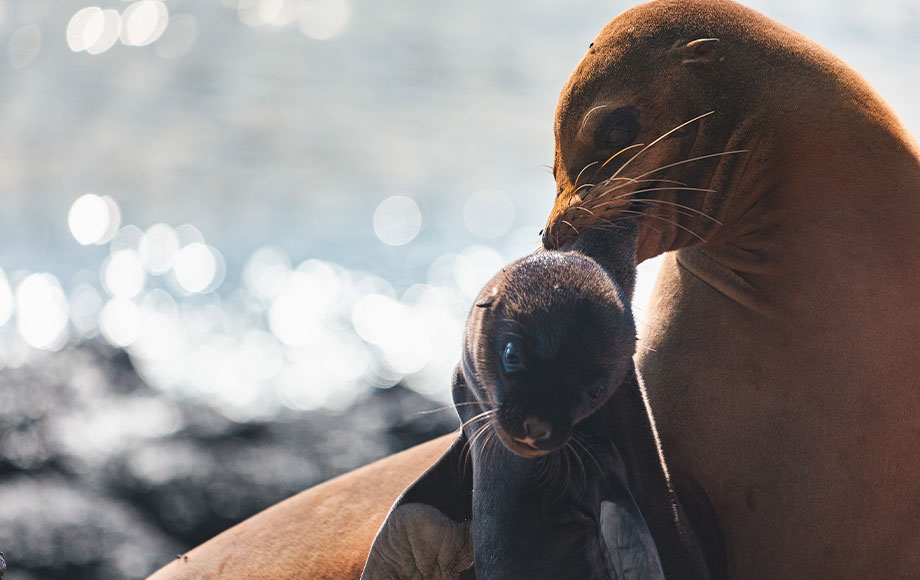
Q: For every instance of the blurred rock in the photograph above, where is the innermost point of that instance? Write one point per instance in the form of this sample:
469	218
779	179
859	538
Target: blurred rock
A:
95	464
57	530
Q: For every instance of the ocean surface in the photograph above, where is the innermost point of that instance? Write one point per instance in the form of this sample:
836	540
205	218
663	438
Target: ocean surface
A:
285	201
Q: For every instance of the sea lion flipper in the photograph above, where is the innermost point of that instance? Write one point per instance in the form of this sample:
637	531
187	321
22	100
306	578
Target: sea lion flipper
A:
427	532
631	552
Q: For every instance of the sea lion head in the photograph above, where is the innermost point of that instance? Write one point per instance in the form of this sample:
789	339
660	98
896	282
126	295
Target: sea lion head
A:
549	339
657	121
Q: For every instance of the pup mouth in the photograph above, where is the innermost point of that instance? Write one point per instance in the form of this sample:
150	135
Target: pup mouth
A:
525	448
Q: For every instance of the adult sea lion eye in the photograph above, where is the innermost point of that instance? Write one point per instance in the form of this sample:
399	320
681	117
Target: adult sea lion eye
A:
618	130
512	361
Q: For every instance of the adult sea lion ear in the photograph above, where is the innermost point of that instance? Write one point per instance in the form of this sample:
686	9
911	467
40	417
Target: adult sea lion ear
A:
700	51
426	535
631	551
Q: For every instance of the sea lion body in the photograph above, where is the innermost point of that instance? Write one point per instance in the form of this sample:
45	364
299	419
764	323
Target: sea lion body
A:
322	533
779	346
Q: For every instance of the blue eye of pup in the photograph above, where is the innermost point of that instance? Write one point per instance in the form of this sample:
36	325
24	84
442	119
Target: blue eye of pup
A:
512	361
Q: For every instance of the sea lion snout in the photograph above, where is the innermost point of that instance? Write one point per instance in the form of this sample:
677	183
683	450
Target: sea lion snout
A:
533	439
536	430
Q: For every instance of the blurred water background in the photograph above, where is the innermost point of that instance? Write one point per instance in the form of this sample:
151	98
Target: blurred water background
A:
239	238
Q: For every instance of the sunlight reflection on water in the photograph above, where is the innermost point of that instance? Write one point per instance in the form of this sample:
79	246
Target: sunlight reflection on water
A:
305	336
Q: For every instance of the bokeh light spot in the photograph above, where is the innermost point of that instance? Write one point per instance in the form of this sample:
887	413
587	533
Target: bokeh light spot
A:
143	22
93	219
85	28
158	248
198	268
127	238
120	322
397	220
123	274
108	36
41	311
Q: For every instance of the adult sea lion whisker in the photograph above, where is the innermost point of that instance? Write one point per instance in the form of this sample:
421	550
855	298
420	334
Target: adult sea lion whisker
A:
648	190
658	140
693	211
582	186
692	159
680	209
570	225
610	225
679	187
575	208
583	170
614	156
629	180
665	220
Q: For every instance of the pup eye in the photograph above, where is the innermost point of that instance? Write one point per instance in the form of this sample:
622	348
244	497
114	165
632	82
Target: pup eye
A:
596	383
619	129
512	360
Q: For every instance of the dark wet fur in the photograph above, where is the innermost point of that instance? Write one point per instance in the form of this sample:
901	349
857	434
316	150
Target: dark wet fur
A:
537	518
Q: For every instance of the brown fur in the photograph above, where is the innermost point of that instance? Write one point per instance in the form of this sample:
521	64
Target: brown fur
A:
780	356
323	533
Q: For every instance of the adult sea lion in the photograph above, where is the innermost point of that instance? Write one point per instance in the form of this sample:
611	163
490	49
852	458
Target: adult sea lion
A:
564	480
779	353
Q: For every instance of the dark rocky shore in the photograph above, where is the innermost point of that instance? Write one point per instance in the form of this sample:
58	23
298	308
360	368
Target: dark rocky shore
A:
103	477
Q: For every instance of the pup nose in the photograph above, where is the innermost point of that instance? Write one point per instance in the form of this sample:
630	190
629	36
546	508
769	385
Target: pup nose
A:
536	430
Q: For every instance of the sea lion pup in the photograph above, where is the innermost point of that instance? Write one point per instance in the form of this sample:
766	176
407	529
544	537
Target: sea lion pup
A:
780	348
565	471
